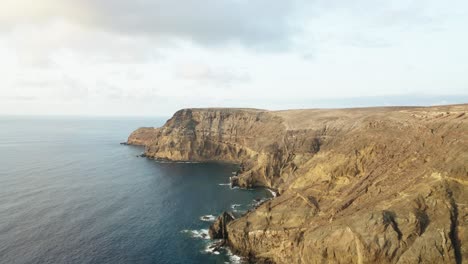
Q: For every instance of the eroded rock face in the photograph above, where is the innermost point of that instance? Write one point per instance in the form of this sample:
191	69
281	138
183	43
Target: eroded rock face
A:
218	230
374	185
245	136
143	136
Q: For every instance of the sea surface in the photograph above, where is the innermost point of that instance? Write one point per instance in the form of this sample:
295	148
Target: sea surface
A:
70	193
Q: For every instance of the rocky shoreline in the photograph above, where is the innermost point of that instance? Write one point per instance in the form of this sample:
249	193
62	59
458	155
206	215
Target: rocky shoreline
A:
368	185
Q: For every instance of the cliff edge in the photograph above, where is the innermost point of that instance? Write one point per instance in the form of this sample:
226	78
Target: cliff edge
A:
363	185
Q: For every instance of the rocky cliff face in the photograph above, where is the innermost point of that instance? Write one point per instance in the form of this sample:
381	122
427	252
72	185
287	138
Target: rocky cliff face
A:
384	185
143	136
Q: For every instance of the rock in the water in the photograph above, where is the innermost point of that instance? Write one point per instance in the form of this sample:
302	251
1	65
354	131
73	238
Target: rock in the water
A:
218	228
234	181
217	246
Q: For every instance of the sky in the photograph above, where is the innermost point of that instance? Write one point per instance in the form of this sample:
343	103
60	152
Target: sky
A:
153	57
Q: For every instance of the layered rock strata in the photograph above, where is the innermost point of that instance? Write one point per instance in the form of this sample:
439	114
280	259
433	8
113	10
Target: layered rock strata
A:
370	185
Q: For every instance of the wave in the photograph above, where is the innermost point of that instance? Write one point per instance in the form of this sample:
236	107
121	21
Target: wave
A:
208	218
217	247
201	233
257	202
213	248
233	258
272	192
234	206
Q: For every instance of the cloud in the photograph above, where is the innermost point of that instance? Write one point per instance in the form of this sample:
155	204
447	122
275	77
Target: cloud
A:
382	13
217	75
259	23
211	22
159	54
19	98
38	45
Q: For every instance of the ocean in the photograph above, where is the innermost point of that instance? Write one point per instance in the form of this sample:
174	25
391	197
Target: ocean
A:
70	193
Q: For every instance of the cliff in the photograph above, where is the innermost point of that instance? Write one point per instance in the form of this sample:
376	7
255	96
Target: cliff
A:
371	185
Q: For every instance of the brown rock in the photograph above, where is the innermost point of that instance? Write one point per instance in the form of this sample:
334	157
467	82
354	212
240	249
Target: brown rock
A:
142	136
369	185
218	228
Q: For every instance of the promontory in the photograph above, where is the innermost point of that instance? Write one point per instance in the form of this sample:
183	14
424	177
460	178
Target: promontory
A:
361	185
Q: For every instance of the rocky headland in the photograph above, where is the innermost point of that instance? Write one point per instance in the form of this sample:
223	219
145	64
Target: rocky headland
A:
363	185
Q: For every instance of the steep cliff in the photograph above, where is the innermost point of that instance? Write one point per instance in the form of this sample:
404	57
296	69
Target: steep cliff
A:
384	185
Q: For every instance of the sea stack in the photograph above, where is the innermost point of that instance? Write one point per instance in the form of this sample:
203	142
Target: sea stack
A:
218	229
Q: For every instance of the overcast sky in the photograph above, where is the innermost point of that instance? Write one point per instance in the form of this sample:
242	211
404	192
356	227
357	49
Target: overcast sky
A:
152	57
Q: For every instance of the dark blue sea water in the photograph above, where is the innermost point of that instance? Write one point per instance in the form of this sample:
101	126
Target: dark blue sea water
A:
69	193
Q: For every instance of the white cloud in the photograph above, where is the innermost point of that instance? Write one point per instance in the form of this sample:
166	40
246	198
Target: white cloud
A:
150	57
260	23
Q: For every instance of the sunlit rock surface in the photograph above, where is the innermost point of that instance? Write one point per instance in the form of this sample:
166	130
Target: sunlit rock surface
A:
370	185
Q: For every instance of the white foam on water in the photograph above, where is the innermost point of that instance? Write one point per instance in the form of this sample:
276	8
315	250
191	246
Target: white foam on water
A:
202	233
162	161
224	184
208	218
177	162
234	206
259	202
272	192
212	248
234	259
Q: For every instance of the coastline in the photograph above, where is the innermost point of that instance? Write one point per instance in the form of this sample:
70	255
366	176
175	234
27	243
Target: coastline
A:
220	246
333	173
